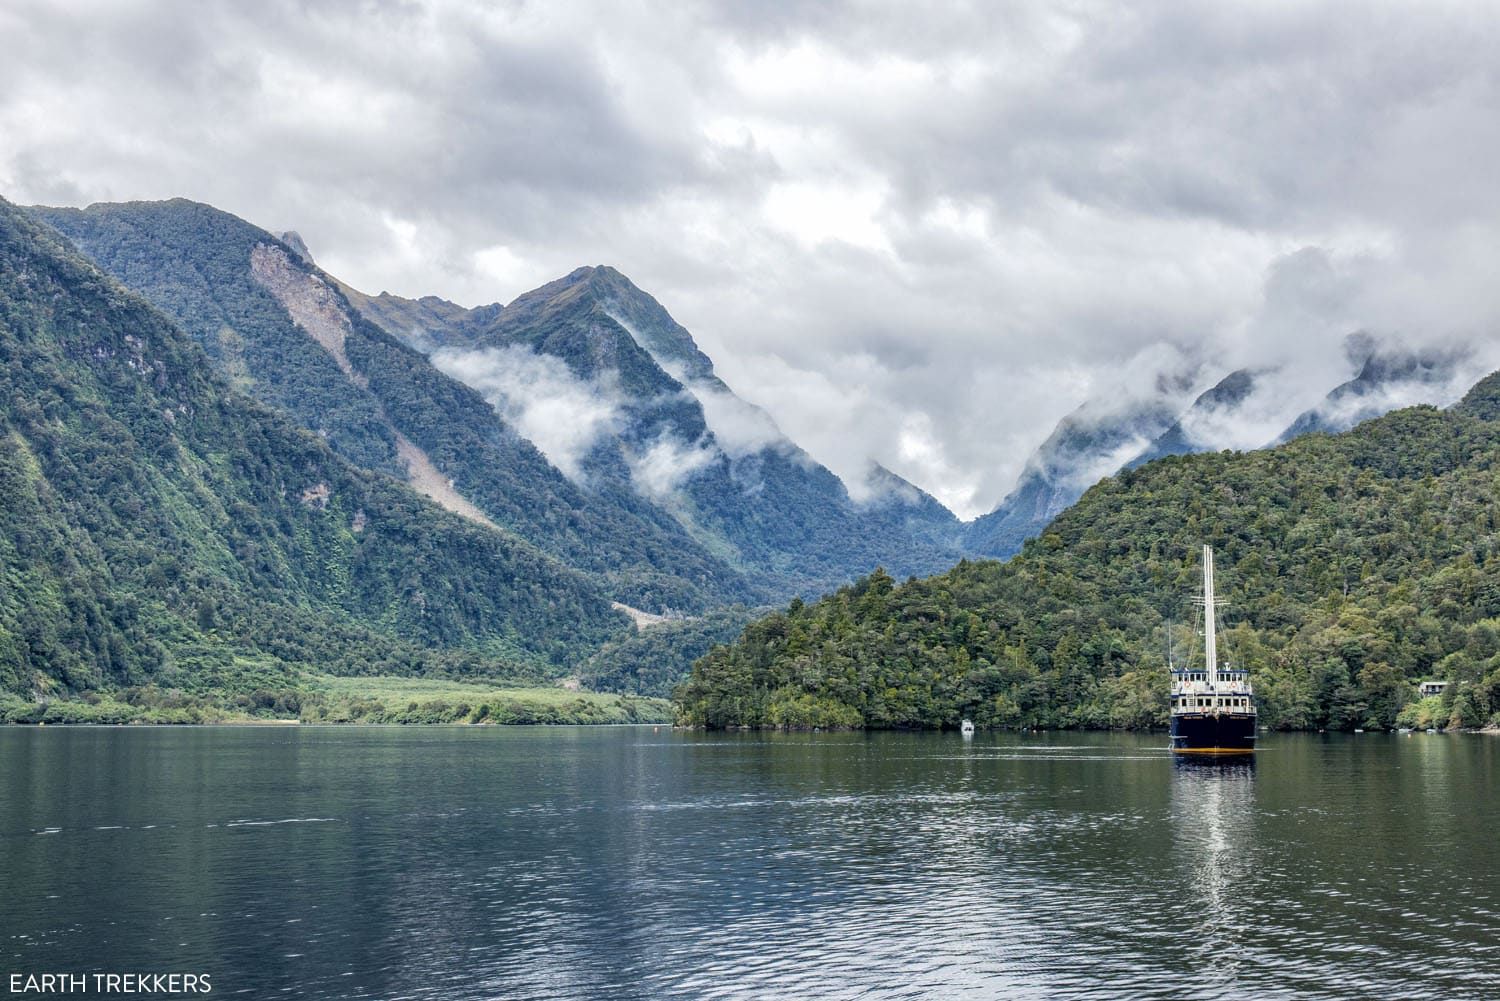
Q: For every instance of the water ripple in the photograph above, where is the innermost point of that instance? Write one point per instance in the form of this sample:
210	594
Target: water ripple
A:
617	863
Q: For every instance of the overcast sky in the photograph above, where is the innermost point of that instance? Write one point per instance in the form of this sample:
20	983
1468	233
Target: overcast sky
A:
918	234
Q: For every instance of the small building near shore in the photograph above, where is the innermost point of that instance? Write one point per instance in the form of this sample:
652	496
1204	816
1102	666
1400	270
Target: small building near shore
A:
1432	688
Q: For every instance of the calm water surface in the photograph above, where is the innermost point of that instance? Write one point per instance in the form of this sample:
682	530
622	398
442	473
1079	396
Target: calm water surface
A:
635	863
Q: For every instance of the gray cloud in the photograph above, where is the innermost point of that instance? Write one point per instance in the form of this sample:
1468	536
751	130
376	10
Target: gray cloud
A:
916	237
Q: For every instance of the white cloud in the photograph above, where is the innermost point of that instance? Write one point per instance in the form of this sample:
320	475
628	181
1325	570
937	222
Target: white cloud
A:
814	213
739	428
567	417
667	462
920	448
560	413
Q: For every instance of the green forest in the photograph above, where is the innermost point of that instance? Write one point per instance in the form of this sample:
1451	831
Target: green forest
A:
655	660
1354	566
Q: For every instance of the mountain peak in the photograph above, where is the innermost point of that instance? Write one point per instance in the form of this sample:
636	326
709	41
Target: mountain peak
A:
1220	398
602	301
296	245
1388	378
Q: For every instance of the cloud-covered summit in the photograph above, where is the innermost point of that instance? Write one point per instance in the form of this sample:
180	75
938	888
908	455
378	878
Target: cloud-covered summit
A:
914	236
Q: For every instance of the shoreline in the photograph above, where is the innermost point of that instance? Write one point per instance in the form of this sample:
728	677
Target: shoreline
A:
479	724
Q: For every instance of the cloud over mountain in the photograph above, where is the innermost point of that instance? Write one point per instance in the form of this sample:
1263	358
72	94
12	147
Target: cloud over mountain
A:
919	237
560	413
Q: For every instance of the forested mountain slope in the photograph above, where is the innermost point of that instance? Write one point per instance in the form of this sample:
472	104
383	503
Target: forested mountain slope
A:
162	528
284	332
1354	565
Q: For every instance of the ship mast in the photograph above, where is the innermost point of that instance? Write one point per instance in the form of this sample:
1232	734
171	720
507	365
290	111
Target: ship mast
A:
1210	644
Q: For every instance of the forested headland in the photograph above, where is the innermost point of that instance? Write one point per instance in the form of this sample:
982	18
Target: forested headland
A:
1354	565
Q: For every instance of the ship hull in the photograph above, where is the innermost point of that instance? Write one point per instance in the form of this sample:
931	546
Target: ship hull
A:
1204	733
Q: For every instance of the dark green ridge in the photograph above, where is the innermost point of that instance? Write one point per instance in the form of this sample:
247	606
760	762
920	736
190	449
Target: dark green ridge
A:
1354	566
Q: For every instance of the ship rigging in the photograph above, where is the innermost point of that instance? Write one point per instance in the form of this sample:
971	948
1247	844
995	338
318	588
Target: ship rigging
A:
1213	707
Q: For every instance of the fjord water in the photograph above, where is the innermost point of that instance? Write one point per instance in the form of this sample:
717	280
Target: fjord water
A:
635	862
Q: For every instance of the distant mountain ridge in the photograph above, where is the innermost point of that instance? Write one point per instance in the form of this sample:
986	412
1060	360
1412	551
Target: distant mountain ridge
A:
1092	442
1386	379
1219	399
677	431
1087	446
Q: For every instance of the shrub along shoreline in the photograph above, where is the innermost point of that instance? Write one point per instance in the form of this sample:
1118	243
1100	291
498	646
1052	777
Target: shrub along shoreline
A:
353	701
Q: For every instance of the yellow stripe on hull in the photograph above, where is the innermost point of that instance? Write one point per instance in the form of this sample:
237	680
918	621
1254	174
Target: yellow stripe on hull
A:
1213	750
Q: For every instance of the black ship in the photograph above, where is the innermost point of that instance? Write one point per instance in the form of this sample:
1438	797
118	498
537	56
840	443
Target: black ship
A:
1213	707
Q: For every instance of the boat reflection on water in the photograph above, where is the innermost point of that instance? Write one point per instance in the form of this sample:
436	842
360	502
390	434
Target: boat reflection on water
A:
1232	765
1213	813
